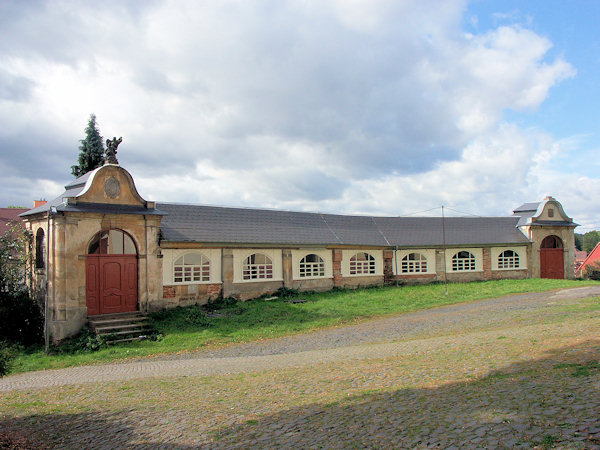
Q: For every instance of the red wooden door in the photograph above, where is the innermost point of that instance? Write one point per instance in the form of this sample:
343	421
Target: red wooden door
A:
111	284
552	263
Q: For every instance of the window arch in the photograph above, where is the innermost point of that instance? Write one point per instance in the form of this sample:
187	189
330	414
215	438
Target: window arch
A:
463	261
191	267
508	259
414	263
362	264
257	266
312	266
40	249
552	242
112	242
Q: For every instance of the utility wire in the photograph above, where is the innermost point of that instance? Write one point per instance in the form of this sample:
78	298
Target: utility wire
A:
462	212
419	212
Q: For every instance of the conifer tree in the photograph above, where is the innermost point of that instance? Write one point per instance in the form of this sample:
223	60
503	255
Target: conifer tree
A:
91	150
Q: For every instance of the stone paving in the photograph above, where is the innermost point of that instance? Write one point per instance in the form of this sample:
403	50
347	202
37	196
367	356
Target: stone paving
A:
478	375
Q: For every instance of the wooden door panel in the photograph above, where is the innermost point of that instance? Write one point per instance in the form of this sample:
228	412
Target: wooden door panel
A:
112	280
111	275
92	286
552	263
131	286
111	284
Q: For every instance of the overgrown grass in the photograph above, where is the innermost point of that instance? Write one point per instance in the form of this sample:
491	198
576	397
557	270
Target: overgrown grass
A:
188	329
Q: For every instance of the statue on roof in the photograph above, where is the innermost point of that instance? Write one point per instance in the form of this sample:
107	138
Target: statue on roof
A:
111	150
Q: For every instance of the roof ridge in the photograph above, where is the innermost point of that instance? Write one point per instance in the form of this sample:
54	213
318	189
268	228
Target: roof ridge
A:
380	232
330	229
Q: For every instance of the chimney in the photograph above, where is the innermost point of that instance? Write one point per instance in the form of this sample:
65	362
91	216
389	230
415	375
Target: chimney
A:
38	203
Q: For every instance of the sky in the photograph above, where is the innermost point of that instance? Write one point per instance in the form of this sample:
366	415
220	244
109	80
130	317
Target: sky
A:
342	106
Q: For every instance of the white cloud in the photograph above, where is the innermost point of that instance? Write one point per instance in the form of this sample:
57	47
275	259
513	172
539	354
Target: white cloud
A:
343	106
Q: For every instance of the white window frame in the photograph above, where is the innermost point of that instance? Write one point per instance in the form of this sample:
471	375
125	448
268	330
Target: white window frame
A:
196	273
299	254
521	252
477	253
241	254
413	266
362	267
253	271
508	262
463	263
428	253
347	255
171	255
310	269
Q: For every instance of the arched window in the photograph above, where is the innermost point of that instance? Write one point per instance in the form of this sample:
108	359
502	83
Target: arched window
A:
257	266
362	264
191	267
552	242
463	261
414	263
312	266
40	249
112	242
508	259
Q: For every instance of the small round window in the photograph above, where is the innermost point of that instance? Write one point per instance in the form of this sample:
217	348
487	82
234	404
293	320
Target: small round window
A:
112	242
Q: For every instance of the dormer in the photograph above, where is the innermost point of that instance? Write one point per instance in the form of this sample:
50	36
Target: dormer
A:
548	212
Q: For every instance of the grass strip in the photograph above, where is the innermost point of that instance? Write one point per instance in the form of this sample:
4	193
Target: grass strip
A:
262	319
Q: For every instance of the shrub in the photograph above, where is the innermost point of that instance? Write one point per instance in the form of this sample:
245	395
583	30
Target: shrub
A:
592	271
221	303
195	315
7	354
181	317
84	342
284	292
21	320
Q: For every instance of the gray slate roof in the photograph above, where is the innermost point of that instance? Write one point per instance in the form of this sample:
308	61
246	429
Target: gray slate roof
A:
212	224
529	207
57	202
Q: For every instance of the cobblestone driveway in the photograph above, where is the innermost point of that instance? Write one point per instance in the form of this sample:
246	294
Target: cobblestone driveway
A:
514	371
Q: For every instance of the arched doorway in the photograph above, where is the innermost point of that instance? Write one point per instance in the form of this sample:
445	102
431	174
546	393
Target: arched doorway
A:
111	275
552	258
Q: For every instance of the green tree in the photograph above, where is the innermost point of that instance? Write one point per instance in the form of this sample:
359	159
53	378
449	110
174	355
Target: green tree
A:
579	241
590	239
21	317
91	150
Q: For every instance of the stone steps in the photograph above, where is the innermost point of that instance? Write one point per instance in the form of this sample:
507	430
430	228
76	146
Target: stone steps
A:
120	327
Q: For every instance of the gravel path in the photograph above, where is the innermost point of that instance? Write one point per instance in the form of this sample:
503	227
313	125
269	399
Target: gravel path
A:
380	338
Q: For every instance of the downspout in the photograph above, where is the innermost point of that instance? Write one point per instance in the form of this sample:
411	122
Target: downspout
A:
396	263
444	249
147	258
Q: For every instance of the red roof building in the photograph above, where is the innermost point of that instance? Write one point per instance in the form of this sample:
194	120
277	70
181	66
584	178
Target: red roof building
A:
593	259
9	215
580	257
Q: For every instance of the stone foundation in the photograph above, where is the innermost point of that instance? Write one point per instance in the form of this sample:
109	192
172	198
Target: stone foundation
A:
189	294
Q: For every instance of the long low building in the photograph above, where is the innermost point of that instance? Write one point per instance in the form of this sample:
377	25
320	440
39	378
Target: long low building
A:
100	248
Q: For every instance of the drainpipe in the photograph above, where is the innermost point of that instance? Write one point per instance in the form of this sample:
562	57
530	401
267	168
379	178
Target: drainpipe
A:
396	263
444	248
147	257
46	297
52	210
